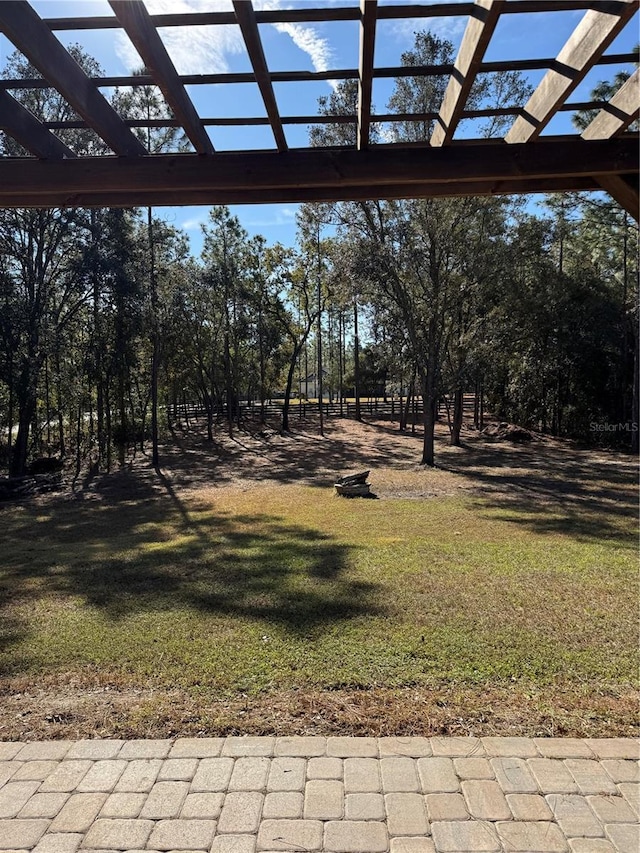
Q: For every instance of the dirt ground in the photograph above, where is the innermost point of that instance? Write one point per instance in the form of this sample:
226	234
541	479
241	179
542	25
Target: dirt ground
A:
542	472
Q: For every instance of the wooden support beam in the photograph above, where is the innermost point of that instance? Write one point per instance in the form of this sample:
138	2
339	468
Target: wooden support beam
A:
137	24
368	12
256	177
617	115
246	18
30	132
22	25
589	40
475	41
213	196
624	190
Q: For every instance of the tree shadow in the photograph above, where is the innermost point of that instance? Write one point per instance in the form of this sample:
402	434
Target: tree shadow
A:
553	487
158	553
301	456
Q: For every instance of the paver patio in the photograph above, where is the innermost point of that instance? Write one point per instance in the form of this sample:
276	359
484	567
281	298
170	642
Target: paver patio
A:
334	794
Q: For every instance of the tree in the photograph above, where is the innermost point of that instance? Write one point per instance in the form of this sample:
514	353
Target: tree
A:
41	276
413	257
147	103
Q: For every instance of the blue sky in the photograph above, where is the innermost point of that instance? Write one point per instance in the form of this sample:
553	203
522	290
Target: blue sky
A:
305	47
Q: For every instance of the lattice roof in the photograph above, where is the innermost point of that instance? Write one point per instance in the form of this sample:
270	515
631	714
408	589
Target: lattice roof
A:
603	156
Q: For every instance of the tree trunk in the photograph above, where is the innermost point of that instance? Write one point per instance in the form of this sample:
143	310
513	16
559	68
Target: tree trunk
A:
155	358
456	424
319	383
356	361
26	412
635	413
107	424
289	386
122	411
429	401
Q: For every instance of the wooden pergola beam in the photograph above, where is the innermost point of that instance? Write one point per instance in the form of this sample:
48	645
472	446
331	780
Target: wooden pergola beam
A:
259	175
368	12
589	40
213	196
19	123
617	115
480	27
246	18
22	25
623	189
137	24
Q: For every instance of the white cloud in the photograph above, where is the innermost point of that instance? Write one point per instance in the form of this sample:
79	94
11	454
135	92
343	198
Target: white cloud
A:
206	50
194	223
194	50
449	27
276	216
307	40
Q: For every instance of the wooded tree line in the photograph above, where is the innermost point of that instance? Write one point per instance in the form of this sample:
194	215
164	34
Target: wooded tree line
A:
108	324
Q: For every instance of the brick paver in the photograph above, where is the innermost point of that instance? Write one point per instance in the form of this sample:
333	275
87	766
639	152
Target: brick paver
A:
349	836
514	775
118	834
573	815
438	776
165	800
406	814
485	800
78	813
399	774
323	799
468	835
330	795
241	812
286	774
283	804
362	775
552	776
524	837
182	835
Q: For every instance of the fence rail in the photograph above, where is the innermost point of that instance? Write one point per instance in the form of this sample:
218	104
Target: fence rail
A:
389	408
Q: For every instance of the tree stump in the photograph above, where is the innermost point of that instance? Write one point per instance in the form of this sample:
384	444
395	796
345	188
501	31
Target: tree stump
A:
353	486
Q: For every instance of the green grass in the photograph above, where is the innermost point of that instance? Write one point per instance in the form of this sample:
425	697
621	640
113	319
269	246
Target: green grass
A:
291	587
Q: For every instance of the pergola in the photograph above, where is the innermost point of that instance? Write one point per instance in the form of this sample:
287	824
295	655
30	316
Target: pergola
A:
603	157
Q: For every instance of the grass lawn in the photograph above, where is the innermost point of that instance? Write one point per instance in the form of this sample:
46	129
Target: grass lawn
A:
284	608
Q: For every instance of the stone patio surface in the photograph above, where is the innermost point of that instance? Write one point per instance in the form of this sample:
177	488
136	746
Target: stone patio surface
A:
334	794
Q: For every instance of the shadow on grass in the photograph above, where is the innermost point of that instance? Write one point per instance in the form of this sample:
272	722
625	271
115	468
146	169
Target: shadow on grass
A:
554	489
125	557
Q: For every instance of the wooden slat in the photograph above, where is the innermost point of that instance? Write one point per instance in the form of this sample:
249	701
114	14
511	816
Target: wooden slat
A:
315	76
319	15
624	190
30	132
589	40
475	41
617	115
368	9
252	173
136	22
21	24
247	21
